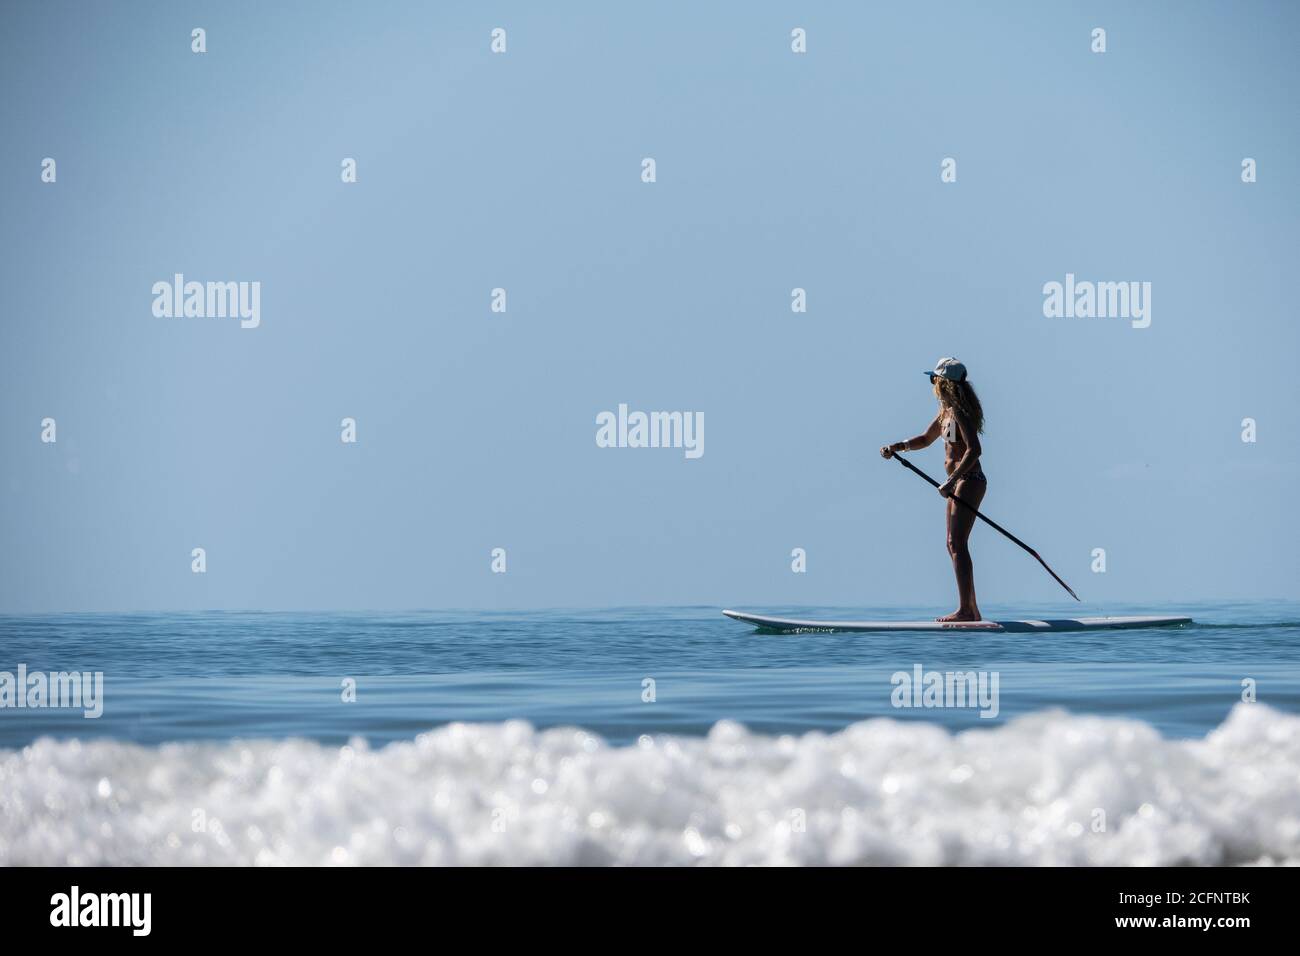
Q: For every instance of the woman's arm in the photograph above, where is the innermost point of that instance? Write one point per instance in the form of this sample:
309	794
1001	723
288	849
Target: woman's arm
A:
923	440
971	439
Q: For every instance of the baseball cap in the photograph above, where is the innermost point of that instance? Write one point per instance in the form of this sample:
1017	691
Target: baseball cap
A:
948	368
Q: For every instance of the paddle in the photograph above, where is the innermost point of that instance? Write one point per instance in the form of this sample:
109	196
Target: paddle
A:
990	522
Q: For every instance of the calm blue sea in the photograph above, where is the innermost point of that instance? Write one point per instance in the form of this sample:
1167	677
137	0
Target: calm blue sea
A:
222	675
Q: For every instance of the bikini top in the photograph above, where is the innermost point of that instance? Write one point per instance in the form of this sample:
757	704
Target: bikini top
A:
950	433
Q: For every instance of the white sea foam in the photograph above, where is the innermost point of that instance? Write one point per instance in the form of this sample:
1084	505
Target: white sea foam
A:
881	792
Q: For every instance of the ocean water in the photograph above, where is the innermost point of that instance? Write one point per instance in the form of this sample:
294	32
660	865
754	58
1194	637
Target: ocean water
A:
652	735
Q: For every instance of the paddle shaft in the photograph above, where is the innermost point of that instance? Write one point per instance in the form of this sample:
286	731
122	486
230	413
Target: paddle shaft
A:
991	523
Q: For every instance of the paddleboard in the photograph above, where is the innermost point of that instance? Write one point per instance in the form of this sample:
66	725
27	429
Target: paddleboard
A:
786	625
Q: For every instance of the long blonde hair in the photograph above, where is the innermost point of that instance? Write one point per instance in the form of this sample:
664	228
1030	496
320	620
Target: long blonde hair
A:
961	396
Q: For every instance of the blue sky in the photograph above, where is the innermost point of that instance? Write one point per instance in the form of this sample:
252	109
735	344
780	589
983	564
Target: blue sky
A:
523	171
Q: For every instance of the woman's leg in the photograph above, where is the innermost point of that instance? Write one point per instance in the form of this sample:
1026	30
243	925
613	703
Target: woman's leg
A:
960	522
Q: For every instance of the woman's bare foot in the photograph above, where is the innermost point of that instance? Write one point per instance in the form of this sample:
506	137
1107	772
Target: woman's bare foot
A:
959	615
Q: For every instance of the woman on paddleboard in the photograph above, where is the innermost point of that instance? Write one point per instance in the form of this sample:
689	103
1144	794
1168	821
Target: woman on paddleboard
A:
960	421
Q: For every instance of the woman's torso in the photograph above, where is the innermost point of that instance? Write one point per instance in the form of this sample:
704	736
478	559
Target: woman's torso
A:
954	447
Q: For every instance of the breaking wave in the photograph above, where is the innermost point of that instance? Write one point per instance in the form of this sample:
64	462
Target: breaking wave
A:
1049	788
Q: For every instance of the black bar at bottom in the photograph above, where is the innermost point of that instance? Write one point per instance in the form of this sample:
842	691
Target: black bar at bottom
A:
333	906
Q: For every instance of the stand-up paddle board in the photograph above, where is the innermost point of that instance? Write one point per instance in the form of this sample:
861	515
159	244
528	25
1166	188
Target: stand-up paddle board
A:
787	625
